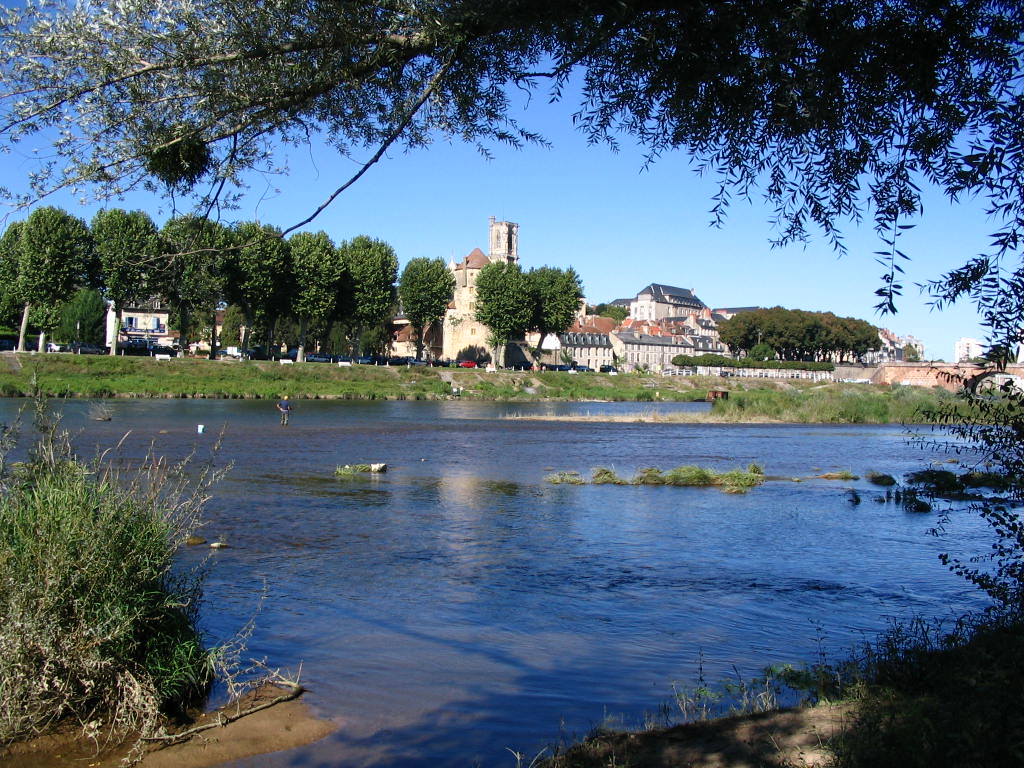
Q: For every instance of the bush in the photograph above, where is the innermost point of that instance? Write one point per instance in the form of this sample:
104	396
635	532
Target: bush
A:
94	622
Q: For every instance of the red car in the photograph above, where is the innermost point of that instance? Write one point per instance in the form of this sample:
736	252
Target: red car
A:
467	364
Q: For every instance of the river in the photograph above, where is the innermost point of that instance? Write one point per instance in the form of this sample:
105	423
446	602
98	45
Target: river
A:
459	605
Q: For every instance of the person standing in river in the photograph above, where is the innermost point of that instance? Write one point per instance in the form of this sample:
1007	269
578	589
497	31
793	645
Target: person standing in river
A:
285	408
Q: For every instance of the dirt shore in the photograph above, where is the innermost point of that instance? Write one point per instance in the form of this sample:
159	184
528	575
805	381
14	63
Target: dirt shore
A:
284	725
795	738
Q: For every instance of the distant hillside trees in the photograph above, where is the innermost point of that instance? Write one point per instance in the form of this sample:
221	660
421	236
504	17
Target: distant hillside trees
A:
794	334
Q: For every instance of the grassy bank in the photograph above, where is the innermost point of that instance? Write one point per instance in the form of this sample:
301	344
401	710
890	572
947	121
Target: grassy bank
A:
794	401
95	625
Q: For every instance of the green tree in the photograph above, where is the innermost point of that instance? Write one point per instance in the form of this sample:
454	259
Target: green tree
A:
614	311
191	276
910	354
793	334
504	304
128	248
231	326
318	275
425	288
56	258
372	270
556	295
258	276
11	302
84	317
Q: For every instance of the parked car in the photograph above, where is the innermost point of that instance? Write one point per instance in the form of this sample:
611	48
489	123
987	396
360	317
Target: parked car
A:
319	357
133	347
51	347
84	348
521	366
159	349
466	363
584	369
608	369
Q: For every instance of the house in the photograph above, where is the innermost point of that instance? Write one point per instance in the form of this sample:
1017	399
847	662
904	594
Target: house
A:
145	321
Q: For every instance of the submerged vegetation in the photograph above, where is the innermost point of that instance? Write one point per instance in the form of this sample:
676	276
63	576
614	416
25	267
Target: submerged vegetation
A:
731	481
96	624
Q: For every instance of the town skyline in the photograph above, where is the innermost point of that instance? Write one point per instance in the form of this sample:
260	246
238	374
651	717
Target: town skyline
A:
618	225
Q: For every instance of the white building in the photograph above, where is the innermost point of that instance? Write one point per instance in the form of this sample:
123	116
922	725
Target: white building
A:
968	349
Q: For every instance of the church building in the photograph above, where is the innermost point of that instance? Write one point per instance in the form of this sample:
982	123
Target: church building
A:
464	337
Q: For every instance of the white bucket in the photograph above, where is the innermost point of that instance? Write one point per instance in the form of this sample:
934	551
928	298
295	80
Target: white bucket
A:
201	428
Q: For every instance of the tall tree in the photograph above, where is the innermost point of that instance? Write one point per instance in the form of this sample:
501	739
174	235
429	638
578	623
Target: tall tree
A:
258	275
556	295
56	258
231	326
11	302
504	304
191	277
318	275
128	247
84	317
372	270
425	288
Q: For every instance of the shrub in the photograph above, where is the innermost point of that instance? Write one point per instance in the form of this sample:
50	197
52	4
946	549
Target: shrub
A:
94	622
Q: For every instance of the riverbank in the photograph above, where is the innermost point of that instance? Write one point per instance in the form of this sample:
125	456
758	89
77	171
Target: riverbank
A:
283	722
749	400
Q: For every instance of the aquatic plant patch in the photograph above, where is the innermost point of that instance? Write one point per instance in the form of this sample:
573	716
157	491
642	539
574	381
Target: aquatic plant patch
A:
687	476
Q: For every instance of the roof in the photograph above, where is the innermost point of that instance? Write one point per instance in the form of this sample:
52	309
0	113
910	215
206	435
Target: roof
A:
668	294
475	260
583	339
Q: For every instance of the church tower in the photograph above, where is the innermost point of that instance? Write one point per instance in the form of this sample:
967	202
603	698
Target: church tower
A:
504	241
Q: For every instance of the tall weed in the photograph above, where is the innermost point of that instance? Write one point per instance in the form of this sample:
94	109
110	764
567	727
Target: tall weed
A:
95	623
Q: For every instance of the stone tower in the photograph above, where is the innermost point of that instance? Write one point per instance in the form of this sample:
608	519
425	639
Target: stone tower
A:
504	241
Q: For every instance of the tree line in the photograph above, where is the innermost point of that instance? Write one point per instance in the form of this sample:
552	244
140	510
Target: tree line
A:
303	290
794	334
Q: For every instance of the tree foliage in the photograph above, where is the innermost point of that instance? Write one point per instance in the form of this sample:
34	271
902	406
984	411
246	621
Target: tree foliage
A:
191	275
503	303
372	268
56	257
258	275
834	110
318	273
127	246
84	317
556	295
425	289
794	334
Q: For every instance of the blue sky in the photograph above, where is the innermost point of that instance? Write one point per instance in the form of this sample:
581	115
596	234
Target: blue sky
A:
620	226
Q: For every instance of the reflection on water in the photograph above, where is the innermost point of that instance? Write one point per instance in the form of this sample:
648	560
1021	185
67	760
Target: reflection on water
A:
459	604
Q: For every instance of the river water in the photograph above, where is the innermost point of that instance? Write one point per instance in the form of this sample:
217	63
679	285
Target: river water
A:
459	605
